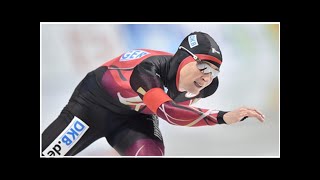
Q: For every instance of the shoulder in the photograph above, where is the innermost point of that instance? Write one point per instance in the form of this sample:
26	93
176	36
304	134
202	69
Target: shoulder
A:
155	52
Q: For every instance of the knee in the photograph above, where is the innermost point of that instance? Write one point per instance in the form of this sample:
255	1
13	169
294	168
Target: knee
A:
146	147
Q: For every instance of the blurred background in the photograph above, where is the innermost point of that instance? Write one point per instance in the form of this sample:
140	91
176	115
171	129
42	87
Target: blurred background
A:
249	77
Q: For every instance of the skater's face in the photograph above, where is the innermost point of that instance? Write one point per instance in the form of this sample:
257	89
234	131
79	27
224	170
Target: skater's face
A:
195	76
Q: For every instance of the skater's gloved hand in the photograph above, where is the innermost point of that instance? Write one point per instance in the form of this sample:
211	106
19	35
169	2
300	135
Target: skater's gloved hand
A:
241	114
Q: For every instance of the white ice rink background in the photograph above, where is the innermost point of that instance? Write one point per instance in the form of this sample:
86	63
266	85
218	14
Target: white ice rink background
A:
249	77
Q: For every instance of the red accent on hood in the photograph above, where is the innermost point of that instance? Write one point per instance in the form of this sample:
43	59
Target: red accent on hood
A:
181	65
208	57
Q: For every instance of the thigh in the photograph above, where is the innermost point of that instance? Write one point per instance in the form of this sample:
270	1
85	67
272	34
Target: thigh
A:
141	137
68	135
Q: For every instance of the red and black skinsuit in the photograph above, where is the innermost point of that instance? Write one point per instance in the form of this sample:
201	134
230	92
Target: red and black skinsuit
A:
121	100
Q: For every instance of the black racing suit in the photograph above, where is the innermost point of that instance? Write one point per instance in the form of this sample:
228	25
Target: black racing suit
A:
121	100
